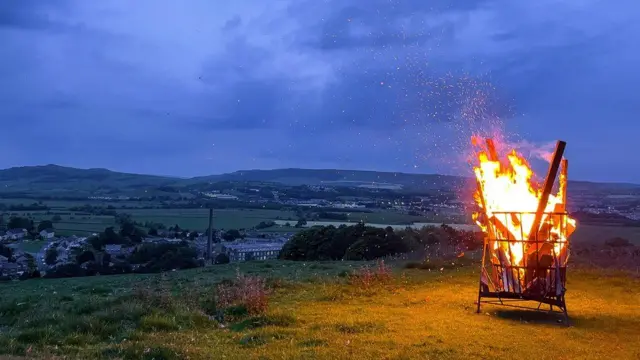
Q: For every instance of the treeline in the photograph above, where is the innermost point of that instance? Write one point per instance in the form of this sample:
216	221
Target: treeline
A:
145	258
361	242
95	210
22	207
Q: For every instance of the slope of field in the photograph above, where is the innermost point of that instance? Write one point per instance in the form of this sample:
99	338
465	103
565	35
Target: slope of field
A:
314	313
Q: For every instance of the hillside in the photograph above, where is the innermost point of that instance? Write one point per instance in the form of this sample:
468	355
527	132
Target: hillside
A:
312	311
54	179
339	177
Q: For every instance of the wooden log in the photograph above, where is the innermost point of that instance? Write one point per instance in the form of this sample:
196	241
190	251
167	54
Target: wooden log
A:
547	187
501	228
564	168
505	266
491	150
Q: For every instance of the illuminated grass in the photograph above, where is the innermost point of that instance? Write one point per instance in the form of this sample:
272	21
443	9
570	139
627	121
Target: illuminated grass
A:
314	313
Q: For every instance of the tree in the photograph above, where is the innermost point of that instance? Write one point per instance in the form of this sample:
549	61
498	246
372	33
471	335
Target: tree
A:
51	256
301	222
231	235
84	257
20	223
130	231
45	224
122	218
6	251
56	218
265	224
221	259
153	232
193	235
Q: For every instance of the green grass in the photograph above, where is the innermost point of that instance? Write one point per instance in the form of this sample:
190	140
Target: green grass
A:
32	246
198	219
600	233
396	218
314	313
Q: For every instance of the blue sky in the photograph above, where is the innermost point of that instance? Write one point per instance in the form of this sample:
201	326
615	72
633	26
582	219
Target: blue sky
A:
203	87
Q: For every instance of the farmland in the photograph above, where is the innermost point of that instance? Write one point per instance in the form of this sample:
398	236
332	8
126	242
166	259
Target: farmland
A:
313	312
194	219
82	224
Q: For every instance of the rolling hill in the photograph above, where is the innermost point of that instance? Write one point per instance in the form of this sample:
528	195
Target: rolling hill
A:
55	179
332	177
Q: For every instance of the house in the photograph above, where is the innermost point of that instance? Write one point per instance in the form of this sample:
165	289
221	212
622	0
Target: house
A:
251	251
16	234
10	269
47	234
113	249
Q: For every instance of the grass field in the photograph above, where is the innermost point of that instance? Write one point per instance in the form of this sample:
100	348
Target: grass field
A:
314	313
32	246
599	233
198	219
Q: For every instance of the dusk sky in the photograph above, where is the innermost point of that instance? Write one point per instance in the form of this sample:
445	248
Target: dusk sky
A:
198	87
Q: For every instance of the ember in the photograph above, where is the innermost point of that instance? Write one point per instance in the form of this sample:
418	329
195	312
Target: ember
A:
526	228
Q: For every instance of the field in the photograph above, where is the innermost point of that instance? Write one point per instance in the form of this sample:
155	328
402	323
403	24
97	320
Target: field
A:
314	312
192	219
83	224
599	233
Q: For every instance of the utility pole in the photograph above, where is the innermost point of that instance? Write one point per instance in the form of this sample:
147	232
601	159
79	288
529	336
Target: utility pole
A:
210	238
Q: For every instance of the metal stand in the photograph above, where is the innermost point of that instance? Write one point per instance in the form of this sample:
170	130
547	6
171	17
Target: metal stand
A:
537	281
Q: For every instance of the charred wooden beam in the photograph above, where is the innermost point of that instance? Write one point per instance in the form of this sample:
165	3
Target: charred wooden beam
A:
547	187
491	148
564	168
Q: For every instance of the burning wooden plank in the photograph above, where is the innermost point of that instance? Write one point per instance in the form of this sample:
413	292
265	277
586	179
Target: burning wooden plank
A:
491	150
546	188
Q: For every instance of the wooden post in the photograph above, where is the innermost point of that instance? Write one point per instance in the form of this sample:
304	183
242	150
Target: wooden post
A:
491	148
547	187
564	166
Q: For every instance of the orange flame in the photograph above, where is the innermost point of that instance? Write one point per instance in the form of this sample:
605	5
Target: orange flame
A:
508	200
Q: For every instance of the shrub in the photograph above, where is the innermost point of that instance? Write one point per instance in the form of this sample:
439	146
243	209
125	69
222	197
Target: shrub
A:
368	276
164	257
244	292
618	242
221	259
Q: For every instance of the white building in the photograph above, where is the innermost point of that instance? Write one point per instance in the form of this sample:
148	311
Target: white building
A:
238	252
47	234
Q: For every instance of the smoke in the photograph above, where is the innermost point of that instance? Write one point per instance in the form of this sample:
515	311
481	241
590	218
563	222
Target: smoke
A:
541	151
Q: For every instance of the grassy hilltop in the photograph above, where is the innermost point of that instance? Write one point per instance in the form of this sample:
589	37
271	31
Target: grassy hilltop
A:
314	311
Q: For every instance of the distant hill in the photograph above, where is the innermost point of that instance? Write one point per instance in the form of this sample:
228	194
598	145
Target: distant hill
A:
332	177
54	179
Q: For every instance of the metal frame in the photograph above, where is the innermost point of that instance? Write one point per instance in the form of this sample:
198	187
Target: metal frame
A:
543	283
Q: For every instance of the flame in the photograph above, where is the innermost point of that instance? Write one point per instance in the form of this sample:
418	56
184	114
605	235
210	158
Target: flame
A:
508	199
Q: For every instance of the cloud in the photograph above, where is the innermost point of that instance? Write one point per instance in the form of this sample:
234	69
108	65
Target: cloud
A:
383	84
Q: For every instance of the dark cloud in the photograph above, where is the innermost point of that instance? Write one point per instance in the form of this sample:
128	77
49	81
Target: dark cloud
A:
31	15
395	85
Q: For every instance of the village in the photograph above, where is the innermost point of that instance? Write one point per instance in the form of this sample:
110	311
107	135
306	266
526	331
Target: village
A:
57	251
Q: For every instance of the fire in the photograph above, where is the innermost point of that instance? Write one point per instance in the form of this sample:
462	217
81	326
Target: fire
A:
511	207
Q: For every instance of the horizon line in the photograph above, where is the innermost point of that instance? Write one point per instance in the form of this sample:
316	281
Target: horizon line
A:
285	168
